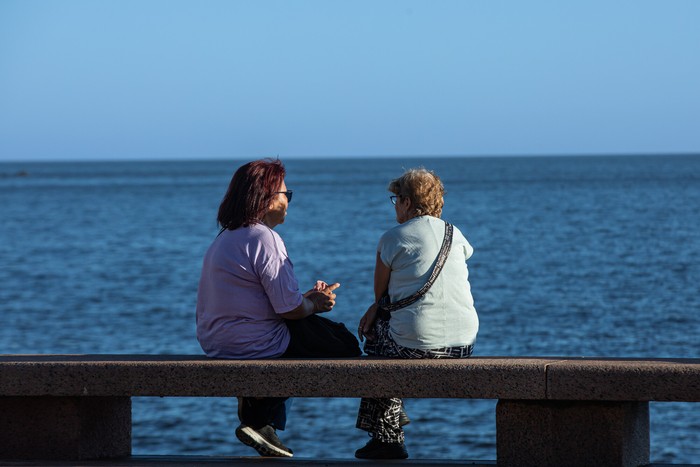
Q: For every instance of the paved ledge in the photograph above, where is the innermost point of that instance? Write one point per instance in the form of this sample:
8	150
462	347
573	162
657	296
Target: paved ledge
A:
178	375
523	378
624	380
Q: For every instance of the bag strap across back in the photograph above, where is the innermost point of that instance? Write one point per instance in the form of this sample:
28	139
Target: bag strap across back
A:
439	263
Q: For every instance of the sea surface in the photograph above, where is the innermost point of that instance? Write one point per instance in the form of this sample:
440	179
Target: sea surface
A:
574	256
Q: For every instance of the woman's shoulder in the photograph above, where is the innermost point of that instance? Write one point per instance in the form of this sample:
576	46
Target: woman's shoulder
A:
425	225
395	233
261	230
438	223
269	238
255	234
412	227
458	234
458	237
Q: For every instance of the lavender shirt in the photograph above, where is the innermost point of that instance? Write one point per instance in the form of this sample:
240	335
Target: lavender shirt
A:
247	281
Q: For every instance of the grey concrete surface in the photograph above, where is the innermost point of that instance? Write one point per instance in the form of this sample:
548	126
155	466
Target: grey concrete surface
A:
625	380
572	434
132	375
480	378
64	427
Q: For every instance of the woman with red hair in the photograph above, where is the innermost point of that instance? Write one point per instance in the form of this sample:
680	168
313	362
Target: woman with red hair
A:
249	304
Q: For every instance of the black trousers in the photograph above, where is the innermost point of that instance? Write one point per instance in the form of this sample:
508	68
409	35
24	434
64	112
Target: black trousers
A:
310	337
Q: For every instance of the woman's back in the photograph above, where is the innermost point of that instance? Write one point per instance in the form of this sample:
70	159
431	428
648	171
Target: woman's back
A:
247	280
445	316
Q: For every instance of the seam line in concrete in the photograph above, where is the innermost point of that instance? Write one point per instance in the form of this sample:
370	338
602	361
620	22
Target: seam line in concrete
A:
546	377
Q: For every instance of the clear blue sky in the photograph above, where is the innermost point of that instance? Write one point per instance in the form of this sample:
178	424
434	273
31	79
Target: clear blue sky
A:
139	79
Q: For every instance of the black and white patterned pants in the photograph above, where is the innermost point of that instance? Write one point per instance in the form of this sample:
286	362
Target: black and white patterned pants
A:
378	416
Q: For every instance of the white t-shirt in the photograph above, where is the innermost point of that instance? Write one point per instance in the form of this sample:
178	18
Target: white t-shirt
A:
445	316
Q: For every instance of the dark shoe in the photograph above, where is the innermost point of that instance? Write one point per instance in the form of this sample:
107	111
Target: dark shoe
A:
264	440
376	449
403	417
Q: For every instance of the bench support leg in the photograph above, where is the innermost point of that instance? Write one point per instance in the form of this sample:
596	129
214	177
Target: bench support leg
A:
65	427
572	433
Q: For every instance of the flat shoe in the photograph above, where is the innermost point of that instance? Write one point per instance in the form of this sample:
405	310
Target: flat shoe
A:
376	449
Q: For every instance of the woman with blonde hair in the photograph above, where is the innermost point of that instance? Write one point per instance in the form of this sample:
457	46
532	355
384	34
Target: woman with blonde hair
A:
423	303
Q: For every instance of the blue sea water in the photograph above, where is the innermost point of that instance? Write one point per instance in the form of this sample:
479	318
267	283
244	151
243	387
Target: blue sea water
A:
574	256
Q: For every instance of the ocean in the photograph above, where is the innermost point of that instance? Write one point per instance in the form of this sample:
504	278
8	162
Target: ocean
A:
574	256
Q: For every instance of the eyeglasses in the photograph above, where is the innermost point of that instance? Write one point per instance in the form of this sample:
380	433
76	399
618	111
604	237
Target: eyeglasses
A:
288	194
393	199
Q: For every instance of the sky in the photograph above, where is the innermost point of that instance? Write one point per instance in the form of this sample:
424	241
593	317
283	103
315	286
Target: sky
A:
170	79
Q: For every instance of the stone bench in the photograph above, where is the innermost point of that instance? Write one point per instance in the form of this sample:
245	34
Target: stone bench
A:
551	411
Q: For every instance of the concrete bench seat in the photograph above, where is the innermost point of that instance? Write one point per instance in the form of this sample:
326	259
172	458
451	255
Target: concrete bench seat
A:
551	411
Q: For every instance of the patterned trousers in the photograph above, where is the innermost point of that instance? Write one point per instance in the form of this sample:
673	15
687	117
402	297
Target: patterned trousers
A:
378	416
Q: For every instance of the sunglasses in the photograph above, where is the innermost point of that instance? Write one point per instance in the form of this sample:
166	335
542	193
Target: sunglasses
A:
288	194
394	198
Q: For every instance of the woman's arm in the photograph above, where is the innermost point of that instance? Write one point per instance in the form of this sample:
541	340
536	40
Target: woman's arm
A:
381	284
382	272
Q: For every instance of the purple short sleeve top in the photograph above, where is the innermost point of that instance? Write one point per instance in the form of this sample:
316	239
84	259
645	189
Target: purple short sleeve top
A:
247	281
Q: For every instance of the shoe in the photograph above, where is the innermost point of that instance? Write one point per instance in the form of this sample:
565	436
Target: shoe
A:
376	449
403	417
264	440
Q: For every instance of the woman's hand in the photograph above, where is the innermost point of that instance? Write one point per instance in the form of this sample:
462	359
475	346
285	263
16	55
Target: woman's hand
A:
319	286
322	296
366	327
320	299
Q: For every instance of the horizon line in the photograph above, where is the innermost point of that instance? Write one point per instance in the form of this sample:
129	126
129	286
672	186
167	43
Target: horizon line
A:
351	157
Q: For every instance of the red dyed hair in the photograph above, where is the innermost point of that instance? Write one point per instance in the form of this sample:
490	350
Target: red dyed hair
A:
252	189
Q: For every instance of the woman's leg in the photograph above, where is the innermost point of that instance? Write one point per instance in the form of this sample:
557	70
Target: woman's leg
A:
256	412
318	337
260	417
380	416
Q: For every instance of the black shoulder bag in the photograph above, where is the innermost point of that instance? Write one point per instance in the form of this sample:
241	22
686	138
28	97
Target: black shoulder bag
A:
385	305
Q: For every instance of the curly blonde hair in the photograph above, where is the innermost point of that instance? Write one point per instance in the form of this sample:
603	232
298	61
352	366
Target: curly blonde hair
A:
423	188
